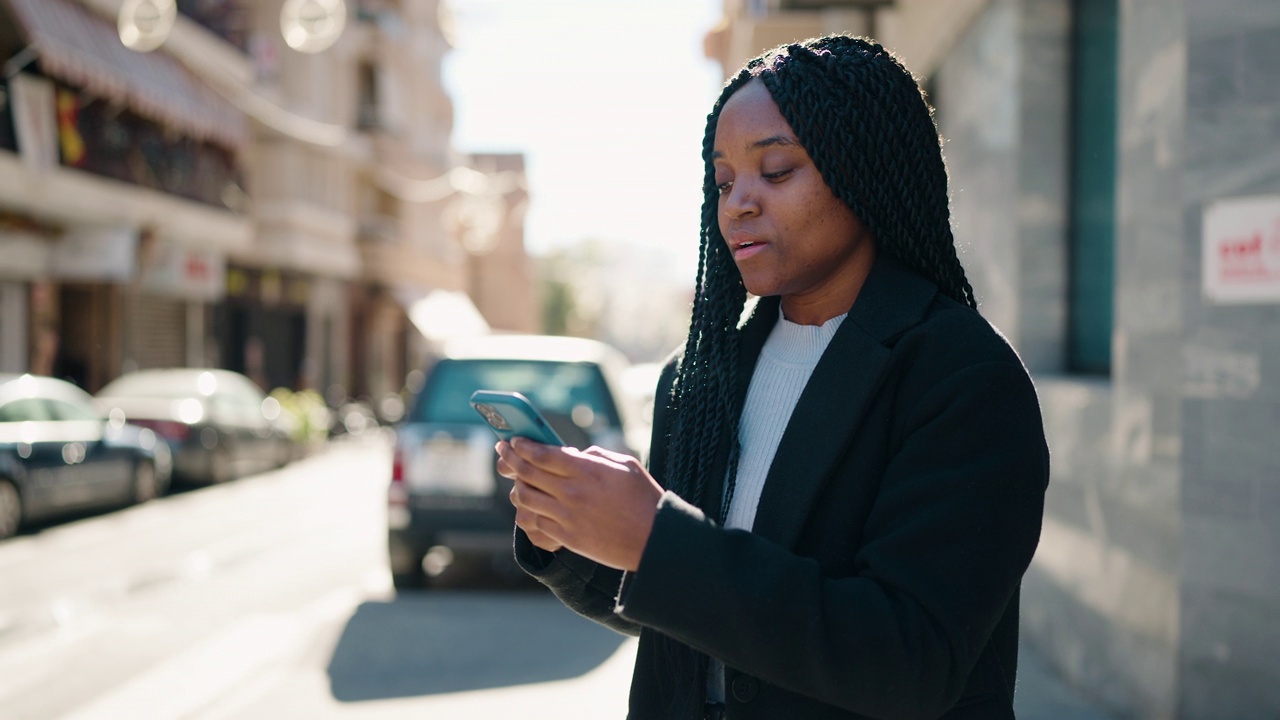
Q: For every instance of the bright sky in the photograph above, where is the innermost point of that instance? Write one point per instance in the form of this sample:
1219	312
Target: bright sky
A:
607	99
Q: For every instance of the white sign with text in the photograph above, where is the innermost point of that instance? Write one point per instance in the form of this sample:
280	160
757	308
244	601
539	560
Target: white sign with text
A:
1241	250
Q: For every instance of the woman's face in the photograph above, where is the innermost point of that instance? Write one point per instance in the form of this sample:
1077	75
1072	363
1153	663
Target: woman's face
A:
789	235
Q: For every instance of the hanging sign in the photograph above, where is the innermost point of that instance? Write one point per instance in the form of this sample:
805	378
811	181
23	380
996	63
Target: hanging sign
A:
184	272
93	253
1241	250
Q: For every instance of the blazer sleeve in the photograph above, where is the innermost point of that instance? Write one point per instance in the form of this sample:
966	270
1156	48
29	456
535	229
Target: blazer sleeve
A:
952	529
584	586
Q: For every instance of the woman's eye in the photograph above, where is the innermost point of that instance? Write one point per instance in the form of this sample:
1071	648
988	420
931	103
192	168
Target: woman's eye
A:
724	186
774	176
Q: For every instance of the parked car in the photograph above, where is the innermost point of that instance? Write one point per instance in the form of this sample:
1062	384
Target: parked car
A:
218	423
59	455
639	386
445	495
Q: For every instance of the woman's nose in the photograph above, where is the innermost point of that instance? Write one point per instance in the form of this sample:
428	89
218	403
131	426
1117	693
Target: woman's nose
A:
740	201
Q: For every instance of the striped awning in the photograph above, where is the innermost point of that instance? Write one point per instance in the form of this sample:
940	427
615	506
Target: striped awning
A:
83	49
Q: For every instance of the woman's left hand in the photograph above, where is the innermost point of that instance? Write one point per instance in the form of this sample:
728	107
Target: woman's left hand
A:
599	504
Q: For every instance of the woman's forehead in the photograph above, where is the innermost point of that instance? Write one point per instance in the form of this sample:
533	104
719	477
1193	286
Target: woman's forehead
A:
749	119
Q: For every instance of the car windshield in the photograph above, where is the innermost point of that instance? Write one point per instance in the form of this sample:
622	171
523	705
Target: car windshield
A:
554	387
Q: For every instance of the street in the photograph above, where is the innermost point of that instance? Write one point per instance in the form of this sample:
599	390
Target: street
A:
268	597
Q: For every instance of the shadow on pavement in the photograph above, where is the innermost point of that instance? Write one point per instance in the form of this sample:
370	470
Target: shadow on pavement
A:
442	642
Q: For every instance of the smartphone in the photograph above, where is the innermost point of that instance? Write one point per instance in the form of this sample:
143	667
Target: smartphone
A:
510	414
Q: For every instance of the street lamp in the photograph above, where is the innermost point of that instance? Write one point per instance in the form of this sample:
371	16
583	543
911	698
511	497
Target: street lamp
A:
144	24
308	26
311	26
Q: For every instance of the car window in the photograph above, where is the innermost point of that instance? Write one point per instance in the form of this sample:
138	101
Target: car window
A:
555	387
238	409
62	410
25	410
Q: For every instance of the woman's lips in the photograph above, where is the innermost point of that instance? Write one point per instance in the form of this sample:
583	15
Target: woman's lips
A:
745	245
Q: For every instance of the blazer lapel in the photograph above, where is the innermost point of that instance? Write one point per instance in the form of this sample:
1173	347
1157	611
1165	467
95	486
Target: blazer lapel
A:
836	397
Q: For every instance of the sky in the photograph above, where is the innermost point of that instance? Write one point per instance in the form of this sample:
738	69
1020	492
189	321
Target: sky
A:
607	99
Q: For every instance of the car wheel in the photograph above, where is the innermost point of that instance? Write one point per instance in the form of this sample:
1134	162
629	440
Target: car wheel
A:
10	508
407	572
146	482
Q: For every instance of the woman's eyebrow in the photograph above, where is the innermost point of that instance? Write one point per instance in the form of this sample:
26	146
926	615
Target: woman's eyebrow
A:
763	143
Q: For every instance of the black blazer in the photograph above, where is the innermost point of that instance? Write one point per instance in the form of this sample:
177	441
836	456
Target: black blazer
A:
881	577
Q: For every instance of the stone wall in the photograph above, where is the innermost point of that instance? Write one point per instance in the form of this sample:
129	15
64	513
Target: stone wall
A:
1229	663
1101	599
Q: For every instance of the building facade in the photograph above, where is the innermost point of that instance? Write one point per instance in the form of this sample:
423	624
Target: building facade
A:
1115	178
121	193
227	200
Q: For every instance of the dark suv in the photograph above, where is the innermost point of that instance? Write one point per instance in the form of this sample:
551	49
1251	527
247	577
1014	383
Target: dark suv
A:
445	495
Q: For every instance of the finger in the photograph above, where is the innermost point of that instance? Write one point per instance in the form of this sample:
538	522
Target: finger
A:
556	459
612	456
543	541
570	462
510	464
527	497
506	469
570	472
543	531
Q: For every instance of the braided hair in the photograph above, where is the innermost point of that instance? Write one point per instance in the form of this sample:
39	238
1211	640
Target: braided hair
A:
863	120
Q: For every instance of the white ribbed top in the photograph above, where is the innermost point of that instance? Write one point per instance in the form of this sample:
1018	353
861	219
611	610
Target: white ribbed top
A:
784	367
786	362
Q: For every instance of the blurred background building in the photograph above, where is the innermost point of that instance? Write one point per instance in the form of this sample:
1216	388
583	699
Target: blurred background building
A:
1115	170
226	200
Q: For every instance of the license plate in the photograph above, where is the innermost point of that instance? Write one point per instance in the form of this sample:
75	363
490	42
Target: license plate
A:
447	465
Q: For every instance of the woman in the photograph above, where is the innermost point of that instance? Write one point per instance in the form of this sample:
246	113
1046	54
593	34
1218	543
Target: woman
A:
845	488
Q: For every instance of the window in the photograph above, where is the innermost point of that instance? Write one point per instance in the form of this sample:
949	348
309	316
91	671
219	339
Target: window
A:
26	410
8	138
61	410
1091	281
367	115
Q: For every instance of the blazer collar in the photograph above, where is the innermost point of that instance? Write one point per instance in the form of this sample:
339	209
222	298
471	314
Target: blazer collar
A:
833	403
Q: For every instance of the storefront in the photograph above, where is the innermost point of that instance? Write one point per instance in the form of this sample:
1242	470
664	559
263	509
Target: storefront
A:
170	305
261	326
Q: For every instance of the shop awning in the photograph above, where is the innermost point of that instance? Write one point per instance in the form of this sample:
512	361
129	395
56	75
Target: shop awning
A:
443	314
83	49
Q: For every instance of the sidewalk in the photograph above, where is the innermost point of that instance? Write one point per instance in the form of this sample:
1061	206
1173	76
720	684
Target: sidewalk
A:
1042	695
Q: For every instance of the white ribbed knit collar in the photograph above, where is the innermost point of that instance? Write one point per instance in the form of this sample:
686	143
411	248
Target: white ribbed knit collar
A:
795	344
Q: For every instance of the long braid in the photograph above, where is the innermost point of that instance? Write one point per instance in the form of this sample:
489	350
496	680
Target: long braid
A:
703	402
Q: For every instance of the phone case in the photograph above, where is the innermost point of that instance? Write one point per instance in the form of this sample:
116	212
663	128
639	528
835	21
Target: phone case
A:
510	414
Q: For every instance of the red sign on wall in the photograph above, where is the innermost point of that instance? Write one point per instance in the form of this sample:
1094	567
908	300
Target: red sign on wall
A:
1241	250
